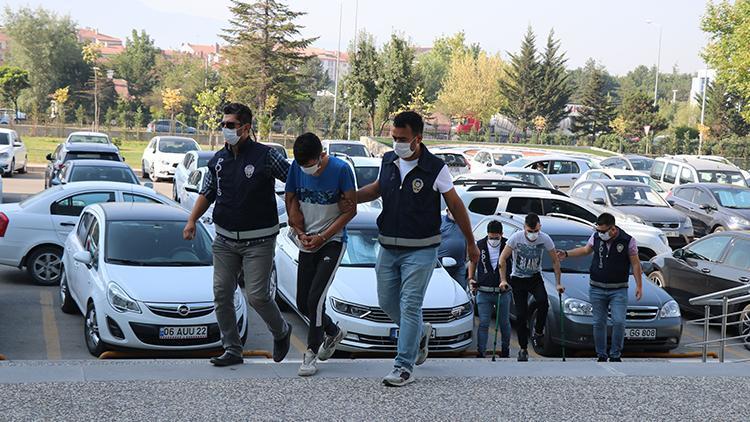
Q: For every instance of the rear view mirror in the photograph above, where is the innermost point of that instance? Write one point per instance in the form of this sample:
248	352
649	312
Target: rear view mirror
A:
448	262
600	201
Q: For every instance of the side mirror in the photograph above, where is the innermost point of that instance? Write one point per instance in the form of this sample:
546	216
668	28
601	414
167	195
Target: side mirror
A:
55	182
17	144
191	188
600	201
149	185
84	257
679	254
448	262
123	158
49	157
671	202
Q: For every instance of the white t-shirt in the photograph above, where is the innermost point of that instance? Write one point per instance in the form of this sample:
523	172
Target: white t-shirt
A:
443	183
494	255
527	256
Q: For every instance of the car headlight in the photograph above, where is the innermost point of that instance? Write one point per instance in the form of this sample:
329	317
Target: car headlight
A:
688	223
120	301
166	163
578	307
462	311
633	219
238	299
738	221
4	155
670	310
350	309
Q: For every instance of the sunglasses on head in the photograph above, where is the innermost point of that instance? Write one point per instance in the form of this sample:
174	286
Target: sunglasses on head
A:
230	125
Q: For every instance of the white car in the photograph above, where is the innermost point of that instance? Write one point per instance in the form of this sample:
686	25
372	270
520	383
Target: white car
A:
139	284
350	148
88	137
163	154
561	170
13	154
535	177
458	163
33	231
618	174
191	161
489	158
352	300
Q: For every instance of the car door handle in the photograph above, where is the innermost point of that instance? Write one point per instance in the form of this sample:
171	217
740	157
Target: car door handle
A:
744	279
67	224
705	270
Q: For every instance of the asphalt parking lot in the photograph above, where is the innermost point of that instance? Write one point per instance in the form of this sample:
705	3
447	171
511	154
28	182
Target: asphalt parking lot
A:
32	326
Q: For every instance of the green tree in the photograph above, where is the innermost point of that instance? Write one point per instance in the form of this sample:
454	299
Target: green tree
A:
638	110
472	87
208	106
361	84
554	88
137	64
597	109
12	82
313	78
110	117
81	115
578	78
264	54
721	112
432	67
189	75
44	44
520	87
139	121
396	78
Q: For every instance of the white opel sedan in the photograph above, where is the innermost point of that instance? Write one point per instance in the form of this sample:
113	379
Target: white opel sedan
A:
33	231
139	284
352	300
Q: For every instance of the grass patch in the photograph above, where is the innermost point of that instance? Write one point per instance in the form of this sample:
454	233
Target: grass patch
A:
38	147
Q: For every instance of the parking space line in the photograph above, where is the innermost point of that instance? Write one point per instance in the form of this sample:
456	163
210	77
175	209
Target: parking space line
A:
298	344
49	326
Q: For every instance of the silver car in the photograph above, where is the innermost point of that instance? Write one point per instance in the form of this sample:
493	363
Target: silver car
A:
561	170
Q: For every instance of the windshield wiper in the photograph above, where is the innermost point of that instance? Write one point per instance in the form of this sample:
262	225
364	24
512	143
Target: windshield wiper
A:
178	264
358	265
126	262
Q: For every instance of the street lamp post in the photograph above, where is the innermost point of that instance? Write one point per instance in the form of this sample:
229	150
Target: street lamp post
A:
704	82
96	99
349	124
658	61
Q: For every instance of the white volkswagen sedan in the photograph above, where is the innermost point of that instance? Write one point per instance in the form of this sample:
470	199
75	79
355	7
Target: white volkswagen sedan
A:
33	231
139	284
352	300
193	160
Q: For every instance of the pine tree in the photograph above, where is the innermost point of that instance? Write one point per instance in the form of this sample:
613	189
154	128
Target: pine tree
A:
722	112
361	83
555	89
597	109
521	86
264	53
397	77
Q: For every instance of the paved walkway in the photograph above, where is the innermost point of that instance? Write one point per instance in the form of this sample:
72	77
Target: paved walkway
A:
466	389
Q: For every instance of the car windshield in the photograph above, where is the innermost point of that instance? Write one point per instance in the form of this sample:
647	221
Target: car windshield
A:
452	160
503	159
366	175
633	195
733	197
362	248
156	244
352	150
642	164
577	265
177	146
646	180
109	174
533	178
520	163
4	139
724	177
75	155
91	139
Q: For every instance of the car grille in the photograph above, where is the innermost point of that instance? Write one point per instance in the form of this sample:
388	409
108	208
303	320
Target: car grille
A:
388	344
640	313
434	316
666	225
181	311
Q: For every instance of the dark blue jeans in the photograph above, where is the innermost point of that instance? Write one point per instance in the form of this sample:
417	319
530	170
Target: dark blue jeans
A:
615	302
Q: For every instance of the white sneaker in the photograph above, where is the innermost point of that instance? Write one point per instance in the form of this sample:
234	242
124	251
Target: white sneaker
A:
398	378
309	362
325	351
424	344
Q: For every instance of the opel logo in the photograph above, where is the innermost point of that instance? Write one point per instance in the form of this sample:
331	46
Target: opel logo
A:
183	310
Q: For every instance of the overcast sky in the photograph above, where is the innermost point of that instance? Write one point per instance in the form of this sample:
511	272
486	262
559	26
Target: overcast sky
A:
615	33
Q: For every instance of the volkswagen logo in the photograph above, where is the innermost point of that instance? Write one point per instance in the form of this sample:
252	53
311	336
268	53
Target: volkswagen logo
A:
183	310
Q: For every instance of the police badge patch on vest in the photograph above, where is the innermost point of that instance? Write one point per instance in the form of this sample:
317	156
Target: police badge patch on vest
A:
620	247
417	185
249	170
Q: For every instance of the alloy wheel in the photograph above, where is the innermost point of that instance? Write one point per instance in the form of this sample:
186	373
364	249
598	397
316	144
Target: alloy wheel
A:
47	267
63	287
92	328
745	325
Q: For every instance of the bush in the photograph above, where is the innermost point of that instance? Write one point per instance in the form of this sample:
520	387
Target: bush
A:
685	132
117	141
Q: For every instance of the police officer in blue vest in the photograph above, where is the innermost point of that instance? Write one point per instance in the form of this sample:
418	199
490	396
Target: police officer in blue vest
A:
615	254
412	181
241	182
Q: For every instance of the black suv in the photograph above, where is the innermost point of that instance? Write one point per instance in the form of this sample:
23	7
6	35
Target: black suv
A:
713	207
79	151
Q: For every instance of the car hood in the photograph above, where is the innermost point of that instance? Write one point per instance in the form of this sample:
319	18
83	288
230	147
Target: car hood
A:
577	286
164	284
171	157
744	213
5	148
359	286
656	214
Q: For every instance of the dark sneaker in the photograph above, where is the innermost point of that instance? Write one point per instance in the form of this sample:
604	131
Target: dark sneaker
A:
523	355
602	359
325	351
615	360
398	378
424	344
281	346
227	359
480	354
505	353
538	340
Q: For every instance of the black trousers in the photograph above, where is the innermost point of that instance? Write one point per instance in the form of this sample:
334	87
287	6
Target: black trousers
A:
315	273
522	287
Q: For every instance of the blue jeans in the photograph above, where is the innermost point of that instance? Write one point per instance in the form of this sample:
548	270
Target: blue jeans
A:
403	276
458	273
616	302
486	303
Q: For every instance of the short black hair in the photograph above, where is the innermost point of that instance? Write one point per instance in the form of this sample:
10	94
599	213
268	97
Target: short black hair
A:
494	226
605	219
243	113
307	147
410	119
531	220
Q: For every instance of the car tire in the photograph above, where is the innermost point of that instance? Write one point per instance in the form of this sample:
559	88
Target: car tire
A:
744	325
549	349
91	332
67	304
152	175
24	170
44	265
174	193
144	173
719	229
9	173
657	278
645	255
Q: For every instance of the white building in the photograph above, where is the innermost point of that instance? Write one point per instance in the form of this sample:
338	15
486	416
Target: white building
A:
696	88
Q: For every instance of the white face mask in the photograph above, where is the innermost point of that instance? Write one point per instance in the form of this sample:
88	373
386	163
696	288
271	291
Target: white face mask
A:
230	136
312	169
532	236
403	149
493	242
605	236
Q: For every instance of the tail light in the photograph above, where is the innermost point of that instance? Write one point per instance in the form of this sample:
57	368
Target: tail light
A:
3	224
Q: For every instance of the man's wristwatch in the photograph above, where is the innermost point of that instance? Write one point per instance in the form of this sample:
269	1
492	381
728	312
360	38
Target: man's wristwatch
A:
566	253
